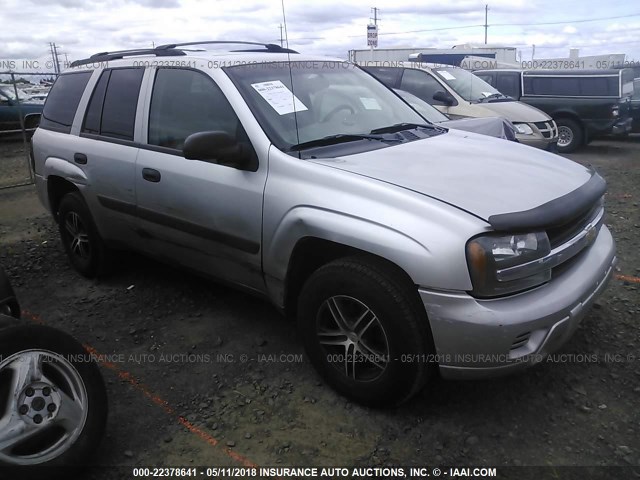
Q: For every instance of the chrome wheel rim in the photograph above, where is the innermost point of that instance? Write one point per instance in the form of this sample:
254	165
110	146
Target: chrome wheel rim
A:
565	136
352	338
79	238
43	403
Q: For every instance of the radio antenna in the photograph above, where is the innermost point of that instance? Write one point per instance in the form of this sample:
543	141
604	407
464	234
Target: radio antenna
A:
293	99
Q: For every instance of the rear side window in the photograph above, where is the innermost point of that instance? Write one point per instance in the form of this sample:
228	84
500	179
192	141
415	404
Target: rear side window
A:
63	100
93	117
112	108
572	86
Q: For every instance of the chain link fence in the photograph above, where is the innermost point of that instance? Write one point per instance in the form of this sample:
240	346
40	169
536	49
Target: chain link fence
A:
22	97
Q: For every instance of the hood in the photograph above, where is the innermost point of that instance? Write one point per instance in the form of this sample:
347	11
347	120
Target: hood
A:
476	173
517	112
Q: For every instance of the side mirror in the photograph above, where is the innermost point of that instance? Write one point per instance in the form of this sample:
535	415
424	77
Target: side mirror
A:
219	147
444	97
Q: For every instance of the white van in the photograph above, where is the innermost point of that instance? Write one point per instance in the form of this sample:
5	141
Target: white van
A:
459	93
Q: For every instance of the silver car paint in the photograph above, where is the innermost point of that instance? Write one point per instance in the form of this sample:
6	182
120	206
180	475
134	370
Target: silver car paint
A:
459	166
406	203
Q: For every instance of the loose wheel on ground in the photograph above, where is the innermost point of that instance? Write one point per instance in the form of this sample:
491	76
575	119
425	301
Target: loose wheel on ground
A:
53	403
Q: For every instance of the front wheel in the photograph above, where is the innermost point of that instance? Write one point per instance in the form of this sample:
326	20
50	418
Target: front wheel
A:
365	331
53	400
570	136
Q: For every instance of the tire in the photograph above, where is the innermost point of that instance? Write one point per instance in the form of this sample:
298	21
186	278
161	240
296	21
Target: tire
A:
79	236
570	135
398	338
60	373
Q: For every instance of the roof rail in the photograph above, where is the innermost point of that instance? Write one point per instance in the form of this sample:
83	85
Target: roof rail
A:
270	47
116	55
172	50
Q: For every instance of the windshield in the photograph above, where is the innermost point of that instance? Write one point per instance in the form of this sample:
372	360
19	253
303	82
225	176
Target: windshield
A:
466	84
332	98
423	108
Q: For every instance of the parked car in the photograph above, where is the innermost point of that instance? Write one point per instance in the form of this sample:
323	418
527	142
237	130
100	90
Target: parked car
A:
53	398
458	93
493	126
583	103
11	107
398	246
635	106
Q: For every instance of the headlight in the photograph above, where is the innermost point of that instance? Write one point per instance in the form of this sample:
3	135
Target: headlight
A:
490	256
615	111
523	128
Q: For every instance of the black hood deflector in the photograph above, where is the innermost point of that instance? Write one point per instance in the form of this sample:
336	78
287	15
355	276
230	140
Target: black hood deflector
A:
555	213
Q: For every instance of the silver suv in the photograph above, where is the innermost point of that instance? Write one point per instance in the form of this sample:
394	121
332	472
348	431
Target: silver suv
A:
399	247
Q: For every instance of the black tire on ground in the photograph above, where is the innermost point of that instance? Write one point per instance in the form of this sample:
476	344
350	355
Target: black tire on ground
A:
570	135
75	386
381	365
80	238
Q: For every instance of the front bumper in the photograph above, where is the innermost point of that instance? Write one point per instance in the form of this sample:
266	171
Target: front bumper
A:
622	127
535	141
481	338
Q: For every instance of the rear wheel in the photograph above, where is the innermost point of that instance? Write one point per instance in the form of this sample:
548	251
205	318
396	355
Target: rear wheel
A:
570	136
79	236
365	331
53	403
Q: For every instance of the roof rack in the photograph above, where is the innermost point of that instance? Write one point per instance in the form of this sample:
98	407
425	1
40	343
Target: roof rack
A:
270	47
171	50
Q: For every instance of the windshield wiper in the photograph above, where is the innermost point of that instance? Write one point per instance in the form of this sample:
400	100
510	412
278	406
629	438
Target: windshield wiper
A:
493	95
341	138
400	126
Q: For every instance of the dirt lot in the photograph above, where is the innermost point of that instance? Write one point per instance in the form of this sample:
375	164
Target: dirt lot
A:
177	398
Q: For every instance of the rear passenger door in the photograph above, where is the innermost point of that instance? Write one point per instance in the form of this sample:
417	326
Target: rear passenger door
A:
107	152
203	215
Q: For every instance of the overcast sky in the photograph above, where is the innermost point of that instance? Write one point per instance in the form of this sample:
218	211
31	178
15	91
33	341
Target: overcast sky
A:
84	27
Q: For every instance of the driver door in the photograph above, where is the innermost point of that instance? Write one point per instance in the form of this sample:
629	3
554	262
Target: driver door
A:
202	215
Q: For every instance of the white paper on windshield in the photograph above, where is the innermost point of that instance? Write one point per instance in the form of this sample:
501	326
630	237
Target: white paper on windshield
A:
487	94
446	75
370	103
279	97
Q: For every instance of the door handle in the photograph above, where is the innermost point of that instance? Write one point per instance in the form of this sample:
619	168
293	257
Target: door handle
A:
151	175
80	158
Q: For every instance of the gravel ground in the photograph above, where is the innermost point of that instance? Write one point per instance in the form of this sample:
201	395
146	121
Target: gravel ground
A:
178	398
14	169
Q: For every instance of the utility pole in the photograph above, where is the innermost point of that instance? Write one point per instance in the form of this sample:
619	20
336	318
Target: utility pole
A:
56	61
375	15
486	26
281	39
53	57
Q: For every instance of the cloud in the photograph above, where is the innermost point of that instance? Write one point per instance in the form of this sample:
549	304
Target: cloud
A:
83	27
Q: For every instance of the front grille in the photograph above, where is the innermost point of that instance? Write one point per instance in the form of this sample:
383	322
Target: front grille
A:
547	129
564	233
